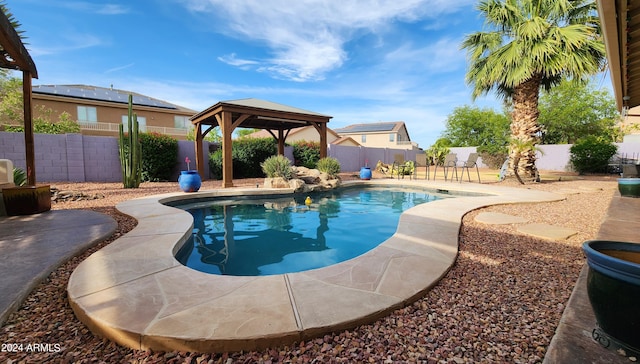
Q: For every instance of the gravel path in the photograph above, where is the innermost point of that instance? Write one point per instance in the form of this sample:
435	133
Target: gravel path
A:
501	302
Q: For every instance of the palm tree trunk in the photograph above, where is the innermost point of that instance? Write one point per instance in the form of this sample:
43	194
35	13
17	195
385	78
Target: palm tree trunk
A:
524	128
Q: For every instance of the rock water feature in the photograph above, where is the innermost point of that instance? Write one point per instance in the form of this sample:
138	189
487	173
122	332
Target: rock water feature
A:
304	180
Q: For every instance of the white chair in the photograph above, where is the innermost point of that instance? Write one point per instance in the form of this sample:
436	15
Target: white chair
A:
472	161
450	161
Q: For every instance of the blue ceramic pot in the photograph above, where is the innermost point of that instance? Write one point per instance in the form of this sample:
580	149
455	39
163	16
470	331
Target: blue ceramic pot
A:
613	286
365	173
189	181
629	187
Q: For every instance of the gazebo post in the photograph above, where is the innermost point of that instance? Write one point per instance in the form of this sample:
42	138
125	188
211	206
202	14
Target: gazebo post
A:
227	159
323	140
280	142
199	151
28	129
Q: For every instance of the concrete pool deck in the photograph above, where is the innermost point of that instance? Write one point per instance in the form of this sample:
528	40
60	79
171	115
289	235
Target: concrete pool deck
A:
134	292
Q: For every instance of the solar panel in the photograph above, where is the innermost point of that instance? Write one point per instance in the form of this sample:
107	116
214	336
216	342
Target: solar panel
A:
359	128
100	94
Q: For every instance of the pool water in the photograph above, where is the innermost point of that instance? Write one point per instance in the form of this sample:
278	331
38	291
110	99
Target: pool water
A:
265	236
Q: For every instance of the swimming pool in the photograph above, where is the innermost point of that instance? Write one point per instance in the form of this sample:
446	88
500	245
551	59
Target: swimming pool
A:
267	236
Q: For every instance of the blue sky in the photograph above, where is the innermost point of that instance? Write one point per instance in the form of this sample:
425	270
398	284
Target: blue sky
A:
359	61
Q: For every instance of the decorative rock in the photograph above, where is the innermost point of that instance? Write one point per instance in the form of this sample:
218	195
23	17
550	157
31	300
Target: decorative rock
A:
304	180
297	184
276	182
498	218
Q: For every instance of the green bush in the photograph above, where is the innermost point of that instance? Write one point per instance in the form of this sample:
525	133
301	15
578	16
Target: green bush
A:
329	165
277	166
306	154
63	126
159	155
247	154
19	177
437	151
493	156
592	154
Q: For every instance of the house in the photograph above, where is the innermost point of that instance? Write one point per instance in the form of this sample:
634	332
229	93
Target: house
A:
100	110
619	21
310	134
380	135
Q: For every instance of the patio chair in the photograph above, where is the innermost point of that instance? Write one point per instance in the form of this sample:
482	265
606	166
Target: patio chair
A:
472	161
399	166
450	161
421	161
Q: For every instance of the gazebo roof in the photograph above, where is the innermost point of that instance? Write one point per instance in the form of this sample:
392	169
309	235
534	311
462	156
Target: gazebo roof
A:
263	114
620	22
13	54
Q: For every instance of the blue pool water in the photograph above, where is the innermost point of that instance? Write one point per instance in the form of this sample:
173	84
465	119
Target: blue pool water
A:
265	236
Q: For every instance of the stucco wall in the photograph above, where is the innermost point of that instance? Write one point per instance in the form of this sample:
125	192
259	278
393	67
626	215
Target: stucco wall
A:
83	158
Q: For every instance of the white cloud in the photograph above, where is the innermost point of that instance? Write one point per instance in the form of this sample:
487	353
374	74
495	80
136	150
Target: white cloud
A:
104	9
232	60
67	42
307	37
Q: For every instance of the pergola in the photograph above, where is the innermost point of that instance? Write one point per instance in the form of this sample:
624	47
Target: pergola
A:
14	55
276	118
620	20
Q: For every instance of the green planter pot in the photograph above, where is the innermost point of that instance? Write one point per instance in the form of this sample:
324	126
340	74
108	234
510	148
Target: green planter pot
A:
26	200
613	286
629	187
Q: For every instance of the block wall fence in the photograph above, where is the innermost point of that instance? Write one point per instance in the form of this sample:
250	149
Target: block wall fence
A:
83	158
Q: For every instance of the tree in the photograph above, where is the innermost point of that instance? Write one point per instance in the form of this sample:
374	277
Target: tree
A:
574	110
532	44
12	112
470	126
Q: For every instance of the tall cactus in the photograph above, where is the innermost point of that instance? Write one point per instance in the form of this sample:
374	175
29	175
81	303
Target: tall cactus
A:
129	146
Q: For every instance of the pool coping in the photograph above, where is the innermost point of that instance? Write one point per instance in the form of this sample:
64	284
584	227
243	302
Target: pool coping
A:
135	293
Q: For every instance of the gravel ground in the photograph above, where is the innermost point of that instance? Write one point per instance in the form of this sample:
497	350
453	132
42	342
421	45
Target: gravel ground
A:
501	301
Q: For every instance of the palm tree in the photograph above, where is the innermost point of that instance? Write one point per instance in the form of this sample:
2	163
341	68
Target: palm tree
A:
532	44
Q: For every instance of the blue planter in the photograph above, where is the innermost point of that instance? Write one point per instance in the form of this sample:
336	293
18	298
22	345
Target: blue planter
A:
189	181
613	286
365	173
629	187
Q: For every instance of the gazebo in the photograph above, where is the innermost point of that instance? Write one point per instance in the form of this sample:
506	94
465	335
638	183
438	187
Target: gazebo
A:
276	118
14	55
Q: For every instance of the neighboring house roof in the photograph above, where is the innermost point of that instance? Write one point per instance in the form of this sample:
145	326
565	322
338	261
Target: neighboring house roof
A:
105	94
371	127
264	133
344	140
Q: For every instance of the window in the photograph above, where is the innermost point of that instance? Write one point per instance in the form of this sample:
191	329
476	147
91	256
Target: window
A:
391	137
87	114
181	122
363	138
142	123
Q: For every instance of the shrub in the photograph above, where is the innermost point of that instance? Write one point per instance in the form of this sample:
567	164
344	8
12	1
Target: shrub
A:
159	156
437	151
493	156
19	177
329	165
591	154
247	154
306	154
64	126
277	166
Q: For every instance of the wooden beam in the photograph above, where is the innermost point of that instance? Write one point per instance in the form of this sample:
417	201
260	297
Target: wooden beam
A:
280	142
239	121
200	159
322	130
227	160
28	128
